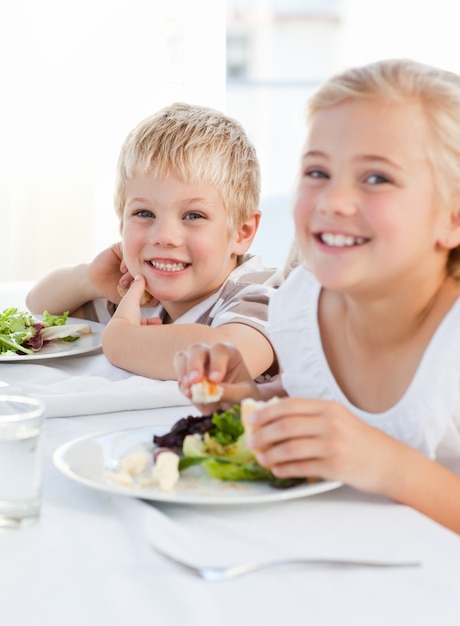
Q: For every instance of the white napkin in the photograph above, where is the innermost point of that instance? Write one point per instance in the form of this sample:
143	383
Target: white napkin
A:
222	536
88	385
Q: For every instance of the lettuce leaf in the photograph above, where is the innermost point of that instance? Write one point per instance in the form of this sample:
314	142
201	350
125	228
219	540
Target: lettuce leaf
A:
223	452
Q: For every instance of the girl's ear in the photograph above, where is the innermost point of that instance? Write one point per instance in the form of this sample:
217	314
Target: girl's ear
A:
451	238
245	233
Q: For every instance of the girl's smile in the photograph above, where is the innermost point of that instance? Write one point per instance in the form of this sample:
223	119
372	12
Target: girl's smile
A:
339	240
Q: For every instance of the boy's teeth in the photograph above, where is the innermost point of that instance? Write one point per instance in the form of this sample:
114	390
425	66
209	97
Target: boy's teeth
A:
340	241
168	267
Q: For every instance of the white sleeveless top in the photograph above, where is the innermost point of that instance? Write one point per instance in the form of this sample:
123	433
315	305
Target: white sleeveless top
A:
427	417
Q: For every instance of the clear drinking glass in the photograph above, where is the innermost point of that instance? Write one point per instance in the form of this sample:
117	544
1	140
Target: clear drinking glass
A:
21	428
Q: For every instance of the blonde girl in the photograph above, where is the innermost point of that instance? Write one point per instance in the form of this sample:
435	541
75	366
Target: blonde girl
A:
367	329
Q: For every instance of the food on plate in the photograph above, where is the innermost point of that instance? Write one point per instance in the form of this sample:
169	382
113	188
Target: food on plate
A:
250	406
146	297
206	392
134	470
22	333
217	442
165	471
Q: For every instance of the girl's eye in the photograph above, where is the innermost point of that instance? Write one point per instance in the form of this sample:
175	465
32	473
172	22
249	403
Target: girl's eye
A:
144	213
193	216
315	173
377	179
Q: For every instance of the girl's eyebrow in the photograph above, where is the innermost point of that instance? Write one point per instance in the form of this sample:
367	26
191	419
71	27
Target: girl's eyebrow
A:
371	158
314	153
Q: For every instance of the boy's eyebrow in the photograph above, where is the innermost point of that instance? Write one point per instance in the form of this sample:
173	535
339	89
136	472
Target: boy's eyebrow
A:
191	200
136	200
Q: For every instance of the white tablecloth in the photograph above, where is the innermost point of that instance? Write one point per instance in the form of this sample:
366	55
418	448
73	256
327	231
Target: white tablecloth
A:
88	562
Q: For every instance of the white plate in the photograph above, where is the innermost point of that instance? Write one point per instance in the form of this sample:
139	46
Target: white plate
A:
86	343
89	459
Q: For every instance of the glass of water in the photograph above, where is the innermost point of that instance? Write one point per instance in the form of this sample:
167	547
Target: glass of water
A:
21	427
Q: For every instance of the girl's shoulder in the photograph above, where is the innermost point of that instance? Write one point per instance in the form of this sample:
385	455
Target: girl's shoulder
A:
300	278
296	300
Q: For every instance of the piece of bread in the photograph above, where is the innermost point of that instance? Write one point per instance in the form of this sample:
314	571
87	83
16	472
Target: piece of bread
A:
248	407
206	392
122	291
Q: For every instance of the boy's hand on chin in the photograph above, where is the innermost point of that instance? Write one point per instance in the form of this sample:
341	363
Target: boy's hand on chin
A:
129	308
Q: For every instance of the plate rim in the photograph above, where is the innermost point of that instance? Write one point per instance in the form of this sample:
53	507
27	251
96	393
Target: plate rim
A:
276	495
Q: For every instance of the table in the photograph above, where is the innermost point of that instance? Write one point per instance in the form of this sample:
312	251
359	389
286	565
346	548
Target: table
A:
88	562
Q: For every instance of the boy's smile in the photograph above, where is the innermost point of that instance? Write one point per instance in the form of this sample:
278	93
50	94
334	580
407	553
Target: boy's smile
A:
176	235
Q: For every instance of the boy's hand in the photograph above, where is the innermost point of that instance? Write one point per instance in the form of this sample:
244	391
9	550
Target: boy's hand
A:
107	271
129	308
221	363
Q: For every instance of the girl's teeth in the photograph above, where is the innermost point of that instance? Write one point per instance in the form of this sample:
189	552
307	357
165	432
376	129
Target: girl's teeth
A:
340	241
168	267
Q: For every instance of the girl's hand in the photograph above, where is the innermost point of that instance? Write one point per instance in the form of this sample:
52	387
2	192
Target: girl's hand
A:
298	437
221	363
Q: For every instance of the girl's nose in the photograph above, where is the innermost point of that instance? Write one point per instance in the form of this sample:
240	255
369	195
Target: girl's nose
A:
337	198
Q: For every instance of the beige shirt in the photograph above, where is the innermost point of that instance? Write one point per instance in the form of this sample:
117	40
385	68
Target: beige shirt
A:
243	298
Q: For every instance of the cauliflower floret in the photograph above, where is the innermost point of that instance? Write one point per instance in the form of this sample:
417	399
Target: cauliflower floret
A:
133	463
165	472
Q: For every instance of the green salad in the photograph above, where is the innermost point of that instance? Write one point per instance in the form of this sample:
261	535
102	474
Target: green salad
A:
22	333
218	443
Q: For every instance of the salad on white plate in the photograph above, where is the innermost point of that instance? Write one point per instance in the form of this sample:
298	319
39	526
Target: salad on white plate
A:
22	333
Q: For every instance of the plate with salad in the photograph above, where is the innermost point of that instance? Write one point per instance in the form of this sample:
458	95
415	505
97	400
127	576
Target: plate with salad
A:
25	337
212	464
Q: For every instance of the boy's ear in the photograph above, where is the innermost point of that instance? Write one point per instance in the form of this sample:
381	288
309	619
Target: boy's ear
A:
246	233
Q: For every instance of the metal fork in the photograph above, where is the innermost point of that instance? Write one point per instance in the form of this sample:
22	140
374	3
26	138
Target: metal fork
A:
215	574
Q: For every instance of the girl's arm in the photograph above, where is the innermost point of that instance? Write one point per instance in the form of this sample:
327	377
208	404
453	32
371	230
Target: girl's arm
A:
428	487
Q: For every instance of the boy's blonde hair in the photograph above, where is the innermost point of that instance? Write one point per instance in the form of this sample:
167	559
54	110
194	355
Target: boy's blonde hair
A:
399	80
198	144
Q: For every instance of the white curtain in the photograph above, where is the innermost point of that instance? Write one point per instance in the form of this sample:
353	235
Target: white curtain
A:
76	77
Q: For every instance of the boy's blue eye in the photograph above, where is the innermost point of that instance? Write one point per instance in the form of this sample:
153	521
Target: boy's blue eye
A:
193	216
144	213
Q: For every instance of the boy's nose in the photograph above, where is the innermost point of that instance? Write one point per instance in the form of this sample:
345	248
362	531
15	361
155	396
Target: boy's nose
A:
165	233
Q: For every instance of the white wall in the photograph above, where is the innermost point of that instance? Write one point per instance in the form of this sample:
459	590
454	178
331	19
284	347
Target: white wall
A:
76	78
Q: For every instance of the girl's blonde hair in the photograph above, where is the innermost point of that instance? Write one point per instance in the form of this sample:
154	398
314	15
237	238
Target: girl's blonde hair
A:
198	144
399	80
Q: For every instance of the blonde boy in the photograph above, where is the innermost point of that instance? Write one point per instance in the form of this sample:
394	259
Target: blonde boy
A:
187	195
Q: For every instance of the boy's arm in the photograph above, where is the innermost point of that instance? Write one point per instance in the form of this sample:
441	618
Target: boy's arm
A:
64	289
149	350
69	288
